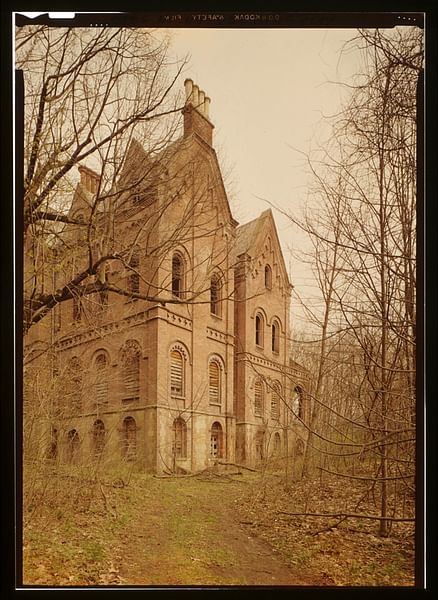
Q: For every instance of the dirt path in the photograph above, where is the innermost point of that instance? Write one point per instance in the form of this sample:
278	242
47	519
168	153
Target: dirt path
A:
187	532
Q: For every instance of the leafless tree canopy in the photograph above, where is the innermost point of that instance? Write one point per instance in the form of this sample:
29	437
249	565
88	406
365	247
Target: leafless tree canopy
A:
89	93
362	225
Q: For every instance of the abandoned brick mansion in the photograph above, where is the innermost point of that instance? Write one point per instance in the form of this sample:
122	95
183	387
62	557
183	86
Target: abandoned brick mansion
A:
181	358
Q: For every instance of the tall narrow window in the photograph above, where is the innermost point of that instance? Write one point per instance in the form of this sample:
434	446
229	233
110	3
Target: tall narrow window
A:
133	283
260	445
259	330
216	440
275	337
98	437
215	303
176	373
258	398
101	383
129	439
214	382
275	403
73	446
177	276
131	370
180	438
268	277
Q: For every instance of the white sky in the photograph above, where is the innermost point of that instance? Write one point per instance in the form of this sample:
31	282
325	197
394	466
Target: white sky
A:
269	89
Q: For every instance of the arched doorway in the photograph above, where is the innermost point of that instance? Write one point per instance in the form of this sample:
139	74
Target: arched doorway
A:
216	440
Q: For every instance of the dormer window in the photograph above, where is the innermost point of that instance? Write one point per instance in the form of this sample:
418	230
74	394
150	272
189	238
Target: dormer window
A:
268	277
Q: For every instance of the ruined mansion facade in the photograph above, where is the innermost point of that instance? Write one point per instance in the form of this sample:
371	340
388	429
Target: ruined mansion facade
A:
182	359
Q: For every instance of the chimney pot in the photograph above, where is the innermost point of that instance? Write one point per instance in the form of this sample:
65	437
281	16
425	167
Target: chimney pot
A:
195	96
201	101
188	84
207	107
196	113
89	179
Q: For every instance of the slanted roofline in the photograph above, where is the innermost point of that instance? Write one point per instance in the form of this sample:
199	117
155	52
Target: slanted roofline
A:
248	237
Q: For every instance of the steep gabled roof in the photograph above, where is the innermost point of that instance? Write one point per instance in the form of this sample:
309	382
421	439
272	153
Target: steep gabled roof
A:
194	139
170	153
246	235
250	239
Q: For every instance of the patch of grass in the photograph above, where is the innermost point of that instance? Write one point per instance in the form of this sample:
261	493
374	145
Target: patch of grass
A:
94	551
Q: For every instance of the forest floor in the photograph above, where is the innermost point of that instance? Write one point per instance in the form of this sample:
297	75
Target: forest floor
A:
215	529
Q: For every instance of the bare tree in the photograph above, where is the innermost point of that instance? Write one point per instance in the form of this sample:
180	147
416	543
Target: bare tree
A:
89	95
362	230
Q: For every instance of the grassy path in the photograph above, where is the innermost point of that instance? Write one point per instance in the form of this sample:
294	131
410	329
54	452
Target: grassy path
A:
187	532
205	530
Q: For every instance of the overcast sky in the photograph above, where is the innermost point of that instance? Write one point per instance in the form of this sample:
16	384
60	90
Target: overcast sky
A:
269	90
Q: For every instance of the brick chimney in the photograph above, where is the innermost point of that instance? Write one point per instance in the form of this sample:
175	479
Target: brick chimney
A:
197	113
89	179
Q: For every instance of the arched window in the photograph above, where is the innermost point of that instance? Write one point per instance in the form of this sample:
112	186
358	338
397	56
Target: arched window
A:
180	438
277	443
258	398
214	382
259	327
133	283
215	295
216	440
297	402
176	373
101	383
130	362
275	402
177	275
98	437
73	446
268	277
129	439
275	337
74	386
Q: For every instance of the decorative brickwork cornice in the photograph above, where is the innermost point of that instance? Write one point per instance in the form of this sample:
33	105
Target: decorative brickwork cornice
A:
214	334
101	331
